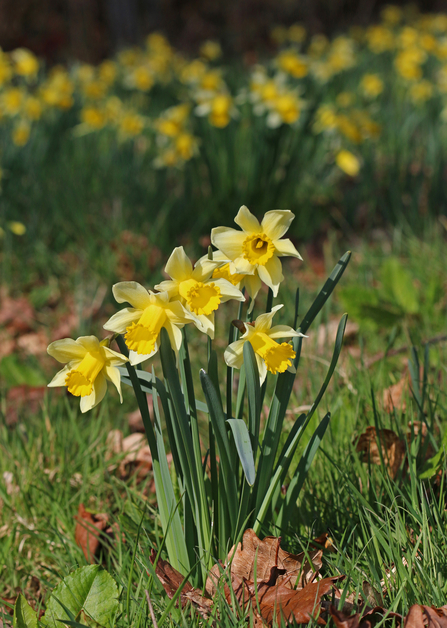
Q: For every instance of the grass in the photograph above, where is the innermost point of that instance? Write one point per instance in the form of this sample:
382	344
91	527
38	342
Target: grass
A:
388	532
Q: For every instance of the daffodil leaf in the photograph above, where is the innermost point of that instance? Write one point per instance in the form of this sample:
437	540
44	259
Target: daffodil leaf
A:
244	449
253	393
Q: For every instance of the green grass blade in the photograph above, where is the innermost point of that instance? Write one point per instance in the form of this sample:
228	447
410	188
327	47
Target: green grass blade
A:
253	394
244	448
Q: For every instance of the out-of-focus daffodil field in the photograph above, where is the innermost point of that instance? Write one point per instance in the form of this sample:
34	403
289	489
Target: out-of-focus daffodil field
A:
348	131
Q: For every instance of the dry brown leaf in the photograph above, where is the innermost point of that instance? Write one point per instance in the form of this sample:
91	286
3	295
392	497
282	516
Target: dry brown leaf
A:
392	396
392	450
252	555
88	532
419	616
326	333
171	580
138	457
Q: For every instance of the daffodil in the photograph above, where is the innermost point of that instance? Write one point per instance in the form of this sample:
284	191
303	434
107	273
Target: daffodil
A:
141	324
255	251
90	364
197	289
270	355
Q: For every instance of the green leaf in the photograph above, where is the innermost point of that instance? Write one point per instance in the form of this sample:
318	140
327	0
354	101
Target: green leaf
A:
89	593
398	285
325	292
254	395
433	465
244	448
24	615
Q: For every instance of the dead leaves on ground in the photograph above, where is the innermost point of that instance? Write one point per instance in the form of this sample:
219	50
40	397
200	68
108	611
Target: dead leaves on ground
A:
419	616
269	581
385	445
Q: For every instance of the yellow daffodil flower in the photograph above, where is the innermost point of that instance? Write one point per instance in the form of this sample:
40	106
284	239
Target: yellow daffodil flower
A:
90	364
26	64
270	354
21	133
141	324
348	162
255	251
372	85
197	289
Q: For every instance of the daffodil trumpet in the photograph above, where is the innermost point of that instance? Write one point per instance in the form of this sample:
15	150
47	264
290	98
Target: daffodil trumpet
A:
89	364
141	324
255	251
270	355
198	288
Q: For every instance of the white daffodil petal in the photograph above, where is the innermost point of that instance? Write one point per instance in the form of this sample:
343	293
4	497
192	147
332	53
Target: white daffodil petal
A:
242	266
59	378
229	241
246	221
228	291
114	375
206	324
90	343
133	293
276	222
175	336
178	314
252	284
262	368
264	321
179	265
137	358
169	286
204	269
88	402
283	331
122	319
271	274
234	354
66	350
113	357
286	248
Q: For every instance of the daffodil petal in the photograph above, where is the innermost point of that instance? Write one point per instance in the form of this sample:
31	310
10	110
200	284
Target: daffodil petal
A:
97	395
285	247
122	319
228	291
229	241
133	293
206	324
114	358
175	336
178	314
66	350
179	266
90	343
137	358
242	266
113	374
169	286
59	378
252	284
246	220
276	222
271	274
264	321
283	331
262	368
234	355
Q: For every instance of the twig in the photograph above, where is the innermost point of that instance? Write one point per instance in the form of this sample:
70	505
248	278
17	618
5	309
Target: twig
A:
151	610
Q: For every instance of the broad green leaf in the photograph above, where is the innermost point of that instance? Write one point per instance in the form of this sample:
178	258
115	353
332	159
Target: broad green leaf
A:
88	593
398	285
24	615
254	395
244	448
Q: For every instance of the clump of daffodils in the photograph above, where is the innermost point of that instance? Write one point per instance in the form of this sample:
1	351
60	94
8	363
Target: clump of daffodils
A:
193	295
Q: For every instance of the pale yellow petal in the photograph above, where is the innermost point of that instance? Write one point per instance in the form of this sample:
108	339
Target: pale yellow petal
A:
247	221
262	368
252	284
228	291
178	314
169	286
283	331
113	357
179	266
66	350
271	274
234	354
175	336
137	358
133	293
114	375
229	241
242	266
122	319
275	223
59	378
90	343
264	321
286	248
97	395
206	324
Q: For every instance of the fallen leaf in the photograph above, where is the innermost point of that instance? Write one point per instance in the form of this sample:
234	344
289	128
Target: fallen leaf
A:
392	396
88	532
253	555
392	448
